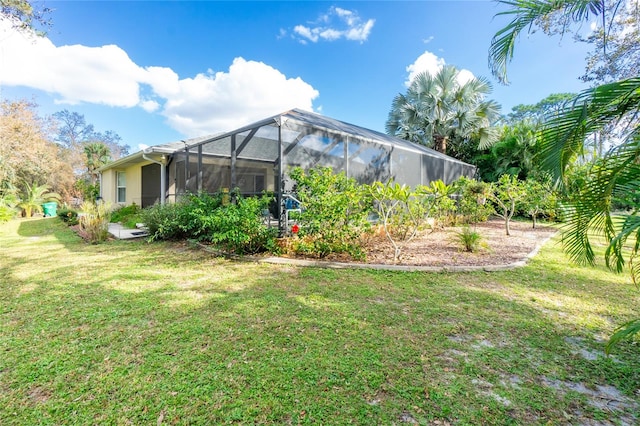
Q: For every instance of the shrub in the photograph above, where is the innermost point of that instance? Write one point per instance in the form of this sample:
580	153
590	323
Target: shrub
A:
404	211
472	206
165	222
238	227
8	203
334	215
6	213
68	216
470	240
94	221
126	215
229	221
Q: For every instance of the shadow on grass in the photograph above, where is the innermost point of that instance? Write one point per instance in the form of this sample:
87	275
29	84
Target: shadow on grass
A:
128	332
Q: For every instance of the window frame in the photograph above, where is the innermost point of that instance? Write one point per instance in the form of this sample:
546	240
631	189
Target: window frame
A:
122	187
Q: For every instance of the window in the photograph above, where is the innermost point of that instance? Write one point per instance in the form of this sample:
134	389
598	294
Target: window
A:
121	187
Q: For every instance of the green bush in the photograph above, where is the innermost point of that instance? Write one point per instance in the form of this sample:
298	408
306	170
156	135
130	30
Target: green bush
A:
472	205
335	212
165	222
126	215
229	221
68	216
6	213
238	227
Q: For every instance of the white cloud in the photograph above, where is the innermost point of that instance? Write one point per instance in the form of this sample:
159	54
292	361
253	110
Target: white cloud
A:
210	102
149	106
337	23
428	62
249	91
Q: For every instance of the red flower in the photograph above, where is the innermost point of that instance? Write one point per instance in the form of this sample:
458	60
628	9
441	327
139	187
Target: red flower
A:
295	228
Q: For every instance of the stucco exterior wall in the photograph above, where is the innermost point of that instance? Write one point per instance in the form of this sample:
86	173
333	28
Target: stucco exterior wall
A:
133	184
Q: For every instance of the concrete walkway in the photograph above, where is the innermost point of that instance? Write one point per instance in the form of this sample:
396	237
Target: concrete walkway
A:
122	233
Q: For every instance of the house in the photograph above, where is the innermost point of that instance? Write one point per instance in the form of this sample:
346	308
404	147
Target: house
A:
256	158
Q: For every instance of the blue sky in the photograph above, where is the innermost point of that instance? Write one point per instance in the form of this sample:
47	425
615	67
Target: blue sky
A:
156	72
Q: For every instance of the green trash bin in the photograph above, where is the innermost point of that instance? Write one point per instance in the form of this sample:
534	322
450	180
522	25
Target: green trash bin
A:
49	209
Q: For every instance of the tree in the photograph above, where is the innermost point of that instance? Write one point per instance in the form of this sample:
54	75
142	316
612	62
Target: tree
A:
514	154
439	109
97	155
506	193
27	155
86	150
540	198
616	53
563	139
23	16
536	114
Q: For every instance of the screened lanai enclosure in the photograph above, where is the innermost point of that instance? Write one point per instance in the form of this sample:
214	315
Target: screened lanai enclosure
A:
256	158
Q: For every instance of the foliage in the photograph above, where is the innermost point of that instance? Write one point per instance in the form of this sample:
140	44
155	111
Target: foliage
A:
403	211
97	155
87	190
68	216
540	199
526	15
165	221
181	220
26	16
235	227
472	206
26	153
94	221
34	196
536	114
470	240
514	154
8	203
506	193
334	212
238	227
444	207
563	138
125	214
437	110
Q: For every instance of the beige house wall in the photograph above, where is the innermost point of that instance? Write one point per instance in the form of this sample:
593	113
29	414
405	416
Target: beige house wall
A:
133	184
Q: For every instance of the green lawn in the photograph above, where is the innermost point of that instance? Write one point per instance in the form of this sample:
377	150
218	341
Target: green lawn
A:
137	333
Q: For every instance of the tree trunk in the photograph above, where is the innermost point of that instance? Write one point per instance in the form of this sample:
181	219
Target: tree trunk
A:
506	226
440	143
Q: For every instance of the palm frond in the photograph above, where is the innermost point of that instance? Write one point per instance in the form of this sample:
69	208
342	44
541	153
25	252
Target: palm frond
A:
563	135
526	13
623	332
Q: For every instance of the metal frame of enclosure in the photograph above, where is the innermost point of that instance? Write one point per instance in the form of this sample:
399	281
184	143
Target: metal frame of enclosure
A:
256	158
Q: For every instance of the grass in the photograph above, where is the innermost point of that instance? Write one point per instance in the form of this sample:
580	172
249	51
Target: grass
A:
137	333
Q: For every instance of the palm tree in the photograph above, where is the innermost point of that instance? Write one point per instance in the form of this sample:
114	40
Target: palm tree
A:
98	154
563	137
35	195
439	109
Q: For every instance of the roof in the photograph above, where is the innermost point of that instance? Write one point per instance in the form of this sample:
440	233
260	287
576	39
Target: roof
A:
155	152
336	126
158	152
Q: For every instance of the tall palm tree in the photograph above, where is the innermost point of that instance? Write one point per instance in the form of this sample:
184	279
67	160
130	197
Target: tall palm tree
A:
97	155
439	108
563	137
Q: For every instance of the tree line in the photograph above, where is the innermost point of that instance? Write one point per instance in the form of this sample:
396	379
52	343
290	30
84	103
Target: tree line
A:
61	152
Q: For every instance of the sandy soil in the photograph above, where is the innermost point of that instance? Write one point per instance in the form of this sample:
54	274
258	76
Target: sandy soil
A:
441	247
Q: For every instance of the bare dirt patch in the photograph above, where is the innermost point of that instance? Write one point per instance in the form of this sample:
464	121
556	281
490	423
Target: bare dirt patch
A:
441	248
